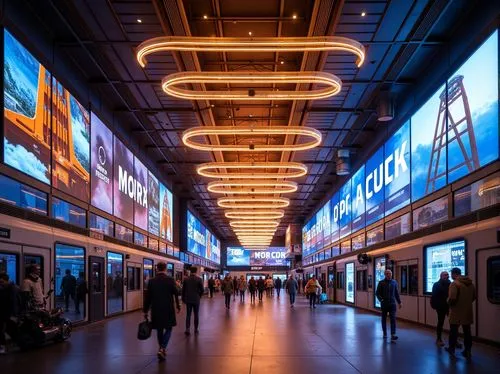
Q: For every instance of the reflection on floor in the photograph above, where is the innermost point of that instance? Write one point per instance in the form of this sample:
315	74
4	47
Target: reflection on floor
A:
265	338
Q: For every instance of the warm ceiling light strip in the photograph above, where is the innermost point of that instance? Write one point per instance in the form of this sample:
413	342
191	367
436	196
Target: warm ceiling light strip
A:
255	214
291	170
245	231
170	85
256	223
249	203
251	130
267	44
258	187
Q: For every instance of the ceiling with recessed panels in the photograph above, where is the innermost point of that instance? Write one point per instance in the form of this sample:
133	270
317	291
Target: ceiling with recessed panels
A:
102	39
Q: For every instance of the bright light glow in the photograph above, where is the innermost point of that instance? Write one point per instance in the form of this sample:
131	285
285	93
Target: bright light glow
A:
256	224
251	130
250	203
171	82
255	214
363	14
294	170
250	33
294	16
258	187
274	44
254	230
139	20
205	16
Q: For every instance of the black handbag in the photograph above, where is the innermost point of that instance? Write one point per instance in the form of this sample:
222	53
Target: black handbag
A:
144	330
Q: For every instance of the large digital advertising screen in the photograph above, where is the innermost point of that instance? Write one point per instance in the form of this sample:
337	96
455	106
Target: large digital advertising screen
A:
166	213
196	233
101	181
379	265
345	209
27	110
374	183
319	230
327	224
153	205
334	218
428	164
237	256
140	194
123	182
215	250
442	257
397	170
349	282
358	199
70	143
272	256
473	107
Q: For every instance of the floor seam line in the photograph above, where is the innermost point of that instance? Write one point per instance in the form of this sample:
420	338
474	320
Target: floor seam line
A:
253	343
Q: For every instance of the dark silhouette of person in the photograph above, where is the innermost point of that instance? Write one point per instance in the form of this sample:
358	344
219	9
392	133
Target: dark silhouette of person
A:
68	287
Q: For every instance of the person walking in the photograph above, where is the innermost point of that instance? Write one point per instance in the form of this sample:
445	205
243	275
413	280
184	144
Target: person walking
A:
242	284
261	286
192	291
211	286
227	286
439	302
160	297
68	288
278	284
461	296
81	291
312	289
235	287
252	287
292	287
388	295
8	306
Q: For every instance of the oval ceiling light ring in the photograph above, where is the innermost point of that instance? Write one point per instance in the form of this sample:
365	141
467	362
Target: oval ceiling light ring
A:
291	170
251	130
258	187
249	203
171	82
264	44
255	214
257	223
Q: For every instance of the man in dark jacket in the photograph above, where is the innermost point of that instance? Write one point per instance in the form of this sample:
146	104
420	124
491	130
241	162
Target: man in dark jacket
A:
192	290
261	286
388	294
439	302
68	287
278	284
211	286
8	306
292	286
461	296
160	298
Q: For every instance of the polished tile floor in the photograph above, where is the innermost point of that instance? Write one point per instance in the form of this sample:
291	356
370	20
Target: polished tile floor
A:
265	338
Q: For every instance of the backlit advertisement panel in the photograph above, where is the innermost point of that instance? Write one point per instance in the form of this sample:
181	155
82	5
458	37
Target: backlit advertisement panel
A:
123	182
345	209
237	256
196	235
428	166
272	256
379	263
319	230
334	217
397	170
70	143
153	205
349	282
140	195
166	213
27	111
215	251
374	183
101	181
473	106
358	199
442	257
327	224
208	244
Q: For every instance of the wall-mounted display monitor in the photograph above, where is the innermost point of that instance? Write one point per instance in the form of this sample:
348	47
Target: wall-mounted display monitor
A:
70	143
123	182
140	194
358	199
101	157
196	235
153	205
27	111
237	256
443	257
345	209
272	256
166	213
349	282
374	183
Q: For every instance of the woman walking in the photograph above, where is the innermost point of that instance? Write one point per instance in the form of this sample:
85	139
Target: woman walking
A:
242	285
312	289
227	285
252	287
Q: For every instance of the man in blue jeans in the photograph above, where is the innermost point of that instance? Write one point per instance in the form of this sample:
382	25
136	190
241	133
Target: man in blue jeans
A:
192	290
388	295
160	297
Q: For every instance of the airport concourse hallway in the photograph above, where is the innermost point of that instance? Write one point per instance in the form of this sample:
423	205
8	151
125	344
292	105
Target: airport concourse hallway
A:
266	338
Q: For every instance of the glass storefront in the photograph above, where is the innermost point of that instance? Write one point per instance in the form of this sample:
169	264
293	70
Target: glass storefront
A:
114	282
